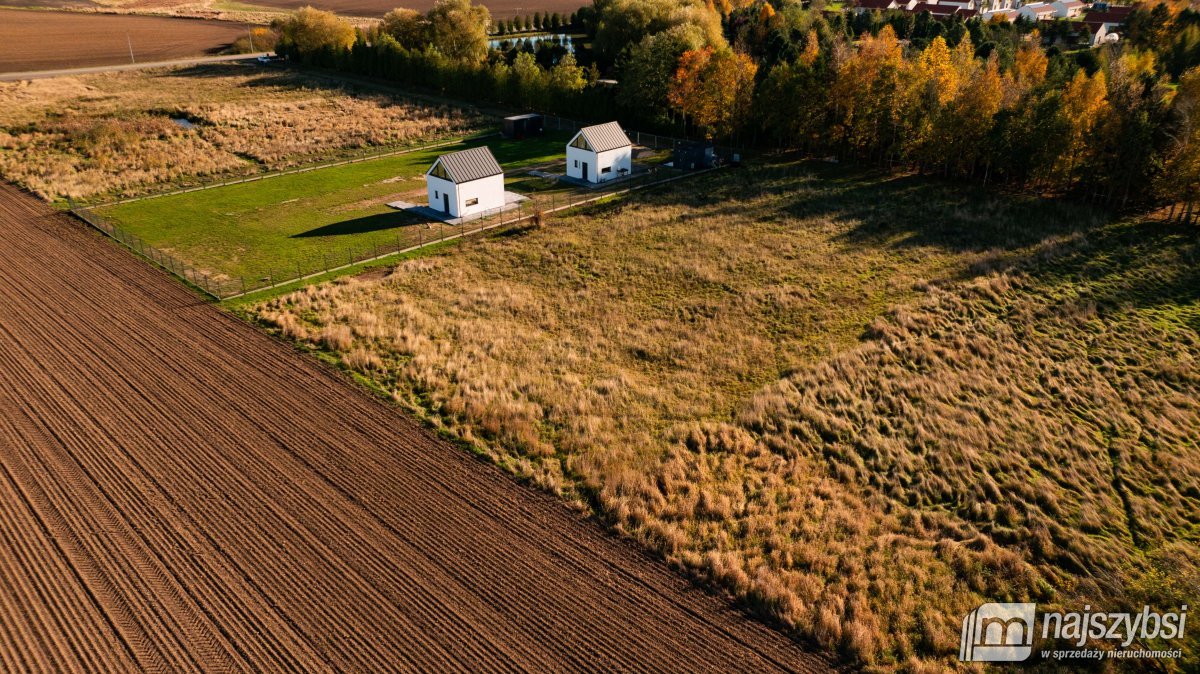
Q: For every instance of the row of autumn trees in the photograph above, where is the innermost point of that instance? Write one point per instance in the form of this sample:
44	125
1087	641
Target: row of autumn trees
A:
967	99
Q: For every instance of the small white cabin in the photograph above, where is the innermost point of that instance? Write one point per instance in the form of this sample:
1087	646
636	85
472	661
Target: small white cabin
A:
465	183
599	153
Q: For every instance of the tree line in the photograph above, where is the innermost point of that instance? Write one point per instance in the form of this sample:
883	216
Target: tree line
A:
551	22
993	101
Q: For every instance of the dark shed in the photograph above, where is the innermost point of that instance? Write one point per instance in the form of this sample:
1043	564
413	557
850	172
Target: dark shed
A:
692	155
523	126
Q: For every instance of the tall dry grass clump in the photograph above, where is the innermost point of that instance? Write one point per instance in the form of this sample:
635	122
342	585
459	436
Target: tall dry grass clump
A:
861	407
114	133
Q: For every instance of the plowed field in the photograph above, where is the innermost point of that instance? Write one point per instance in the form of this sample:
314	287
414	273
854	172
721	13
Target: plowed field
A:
53	40
499	8
179	492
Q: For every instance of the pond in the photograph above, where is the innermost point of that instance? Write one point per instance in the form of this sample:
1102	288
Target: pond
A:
510	41
183	122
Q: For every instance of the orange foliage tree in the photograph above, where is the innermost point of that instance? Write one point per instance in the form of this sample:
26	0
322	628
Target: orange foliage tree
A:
714	88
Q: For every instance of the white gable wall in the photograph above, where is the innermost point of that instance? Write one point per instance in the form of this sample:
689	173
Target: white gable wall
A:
614	160
487	193
1063	10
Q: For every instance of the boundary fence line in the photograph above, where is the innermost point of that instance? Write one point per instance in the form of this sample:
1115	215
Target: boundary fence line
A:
188	273
223	287
300	169
480	227
226	288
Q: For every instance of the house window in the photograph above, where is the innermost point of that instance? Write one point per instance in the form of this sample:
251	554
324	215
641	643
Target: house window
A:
439	171
576	163
606	169
436	195
581	143
472	202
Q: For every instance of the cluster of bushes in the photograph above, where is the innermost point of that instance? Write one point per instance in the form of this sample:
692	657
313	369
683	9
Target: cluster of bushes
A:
965	98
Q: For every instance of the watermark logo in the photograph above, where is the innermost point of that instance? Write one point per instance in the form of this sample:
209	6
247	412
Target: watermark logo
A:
998	633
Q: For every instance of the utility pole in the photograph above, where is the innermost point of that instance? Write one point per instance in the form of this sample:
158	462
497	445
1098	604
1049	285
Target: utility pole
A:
129	42
250	33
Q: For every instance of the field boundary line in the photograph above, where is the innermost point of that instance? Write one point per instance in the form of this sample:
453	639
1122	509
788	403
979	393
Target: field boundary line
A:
464	234
297	170
21	75
198	279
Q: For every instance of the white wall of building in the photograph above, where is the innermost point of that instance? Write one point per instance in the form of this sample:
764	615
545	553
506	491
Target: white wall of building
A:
1064	10
465	199
1036	10
614	160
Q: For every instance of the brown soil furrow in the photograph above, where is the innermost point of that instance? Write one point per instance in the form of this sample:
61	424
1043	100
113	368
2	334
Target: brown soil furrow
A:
42	646
534	616
226	581
274	515
114	563
171	546
201	477
75	614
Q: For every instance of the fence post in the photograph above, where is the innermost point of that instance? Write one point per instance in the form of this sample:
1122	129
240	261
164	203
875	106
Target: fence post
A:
243	278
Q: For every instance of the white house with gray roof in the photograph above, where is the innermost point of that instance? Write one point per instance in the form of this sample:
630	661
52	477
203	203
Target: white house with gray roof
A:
465	183
599	153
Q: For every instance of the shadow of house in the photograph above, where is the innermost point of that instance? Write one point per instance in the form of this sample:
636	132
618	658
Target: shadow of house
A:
363	225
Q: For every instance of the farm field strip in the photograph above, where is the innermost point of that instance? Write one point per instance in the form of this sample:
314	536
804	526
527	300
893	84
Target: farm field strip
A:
42	40
183	494
377	8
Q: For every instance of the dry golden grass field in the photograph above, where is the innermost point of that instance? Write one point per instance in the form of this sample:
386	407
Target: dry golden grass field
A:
863	405
117	134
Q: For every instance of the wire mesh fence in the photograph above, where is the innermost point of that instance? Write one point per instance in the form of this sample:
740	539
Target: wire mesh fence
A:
193	276
407	238
200	185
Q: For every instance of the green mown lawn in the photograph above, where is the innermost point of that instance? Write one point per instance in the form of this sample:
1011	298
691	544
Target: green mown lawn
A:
273	227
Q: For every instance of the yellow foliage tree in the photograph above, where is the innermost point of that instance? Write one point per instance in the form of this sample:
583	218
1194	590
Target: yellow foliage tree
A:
1029	67
459	29
868	93
812	49
312	30
714	88
938	72
1084	108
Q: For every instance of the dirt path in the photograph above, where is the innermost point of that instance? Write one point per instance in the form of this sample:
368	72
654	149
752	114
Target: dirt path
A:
42	74
179	492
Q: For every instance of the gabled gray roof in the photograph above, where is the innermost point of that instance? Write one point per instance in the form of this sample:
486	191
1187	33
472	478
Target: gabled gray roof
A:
605	137
467	165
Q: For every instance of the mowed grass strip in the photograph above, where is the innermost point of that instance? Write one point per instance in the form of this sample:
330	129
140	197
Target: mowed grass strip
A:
275	227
